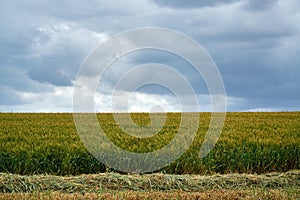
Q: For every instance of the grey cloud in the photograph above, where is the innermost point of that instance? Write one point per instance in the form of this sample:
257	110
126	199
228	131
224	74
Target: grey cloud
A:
261	104
256	78
191	3
78	10
171	61
257	5
254	43
49	53
9	97
52	76
17	79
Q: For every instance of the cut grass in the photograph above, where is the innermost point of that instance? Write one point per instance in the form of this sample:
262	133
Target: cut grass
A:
251	194
285	185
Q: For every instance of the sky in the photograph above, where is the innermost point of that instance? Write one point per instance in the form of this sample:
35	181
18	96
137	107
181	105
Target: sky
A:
254	44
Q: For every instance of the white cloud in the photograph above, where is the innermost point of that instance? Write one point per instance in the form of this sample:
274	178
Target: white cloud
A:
65	37
135	102
60	100
263	110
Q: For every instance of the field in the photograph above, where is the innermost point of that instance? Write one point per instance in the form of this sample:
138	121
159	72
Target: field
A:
252	143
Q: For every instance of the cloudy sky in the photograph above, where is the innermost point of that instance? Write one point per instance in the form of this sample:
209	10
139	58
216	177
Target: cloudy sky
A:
255	45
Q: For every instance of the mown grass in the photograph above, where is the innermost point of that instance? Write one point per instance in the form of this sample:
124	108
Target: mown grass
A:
152	186
253	194
39	143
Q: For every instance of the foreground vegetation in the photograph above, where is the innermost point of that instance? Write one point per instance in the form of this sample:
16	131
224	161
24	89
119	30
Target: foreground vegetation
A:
151	186
252	194
250	143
